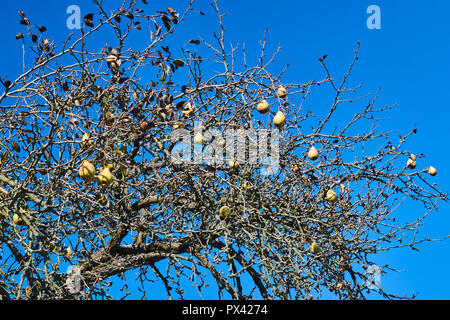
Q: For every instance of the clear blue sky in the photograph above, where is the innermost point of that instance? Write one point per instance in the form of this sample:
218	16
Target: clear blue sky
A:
407	58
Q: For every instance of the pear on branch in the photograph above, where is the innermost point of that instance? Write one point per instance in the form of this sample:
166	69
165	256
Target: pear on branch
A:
111	58
119	151
113	61
188	109
263	106
68	252
105	177
86	171
432	171
18	220
411	164
199	138
331	196
313	154
279	120
315	248
224	212
281	92
232	164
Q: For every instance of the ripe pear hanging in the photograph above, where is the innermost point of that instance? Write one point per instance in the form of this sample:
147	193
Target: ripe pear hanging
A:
105	177
188	109
279	120
331	196
86	171
411	163
315	248
263	106
18	220
313	154
69	252
432	171
224	212
232	164
198	139
281	92
111	58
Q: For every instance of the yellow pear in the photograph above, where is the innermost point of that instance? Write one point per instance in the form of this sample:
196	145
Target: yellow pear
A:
411	163
105	177
86	171
263	106
178	125
279	120
111	58
198	138
281	92
224	212
313	154
315	248
412	157
85	141
432	171
222	143
69	252
232	163
331	196
18	220
188	109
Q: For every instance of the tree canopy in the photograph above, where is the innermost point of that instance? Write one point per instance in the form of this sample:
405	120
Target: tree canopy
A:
267	200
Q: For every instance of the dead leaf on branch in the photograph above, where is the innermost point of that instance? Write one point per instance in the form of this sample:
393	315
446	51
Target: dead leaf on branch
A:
88	19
